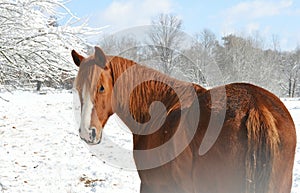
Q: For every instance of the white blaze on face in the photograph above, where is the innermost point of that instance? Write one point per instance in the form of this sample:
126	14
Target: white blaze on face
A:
86	113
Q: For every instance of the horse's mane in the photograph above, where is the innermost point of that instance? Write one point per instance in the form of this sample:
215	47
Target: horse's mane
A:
160	87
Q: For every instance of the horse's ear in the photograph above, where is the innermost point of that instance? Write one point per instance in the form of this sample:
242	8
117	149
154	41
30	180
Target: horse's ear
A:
100	57
77	58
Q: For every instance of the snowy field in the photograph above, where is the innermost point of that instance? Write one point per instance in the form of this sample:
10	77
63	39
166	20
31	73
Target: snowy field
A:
40	150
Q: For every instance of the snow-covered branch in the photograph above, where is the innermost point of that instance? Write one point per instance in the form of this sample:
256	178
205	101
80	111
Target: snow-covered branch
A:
36	39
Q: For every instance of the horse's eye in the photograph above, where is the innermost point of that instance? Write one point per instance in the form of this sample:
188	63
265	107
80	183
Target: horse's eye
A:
101	89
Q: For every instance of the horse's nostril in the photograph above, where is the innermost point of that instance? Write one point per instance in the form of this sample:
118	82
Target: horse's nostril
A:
79	130
94	133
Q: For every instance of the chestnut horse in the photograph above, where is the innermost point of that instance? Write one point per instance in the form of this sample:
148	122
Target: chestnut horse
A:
237	138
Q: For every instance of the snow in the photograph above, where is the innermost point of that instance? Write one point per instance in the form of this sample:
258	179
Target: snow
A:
40	150
294	107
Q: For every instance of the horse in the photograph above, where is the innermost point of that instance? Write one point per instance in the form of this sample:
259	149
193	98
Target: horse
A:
235	138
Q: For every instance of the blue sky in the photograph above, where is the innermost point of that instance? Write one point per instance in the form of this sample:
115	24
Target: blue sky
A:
271	18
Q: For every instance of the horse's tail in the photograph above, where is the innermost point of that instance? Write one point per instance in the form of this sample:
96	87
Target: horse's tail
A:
263	141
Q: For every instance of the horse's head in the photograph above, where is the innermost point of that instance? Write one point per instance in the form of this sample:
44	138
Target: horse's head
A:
94	85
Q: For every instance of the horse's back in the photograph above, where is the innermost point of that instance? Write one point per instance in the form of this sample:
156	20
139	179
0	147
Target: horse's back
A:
256	123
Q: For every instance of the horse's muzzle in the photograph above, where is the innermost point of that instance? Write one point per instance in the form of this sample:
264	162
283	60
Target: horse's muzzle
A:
91	136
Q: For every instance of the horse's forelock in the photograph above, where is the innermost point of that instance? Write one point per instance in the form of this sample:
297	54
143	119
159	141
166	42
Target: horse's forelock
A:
88	76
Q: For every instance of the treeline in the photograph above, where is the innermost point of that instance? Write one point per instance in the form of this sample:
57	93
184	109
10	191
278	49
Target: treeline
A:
205	60
35	46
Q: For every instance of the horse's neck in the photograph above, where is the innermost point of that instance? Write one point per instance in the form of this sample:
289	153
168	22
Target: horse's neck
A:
137	87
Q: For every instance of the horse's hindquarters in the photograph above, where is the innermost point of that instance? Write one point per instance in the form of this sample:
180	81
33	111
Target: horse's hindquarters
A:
254	153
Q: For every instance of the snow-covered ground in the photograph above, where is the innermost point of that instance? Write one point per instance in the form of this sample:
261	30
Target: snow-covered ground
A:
40	150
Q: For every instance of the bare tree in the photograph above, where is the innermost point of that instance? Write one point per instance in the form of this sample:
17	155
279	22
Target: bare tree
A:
208	40
33	46
126	46
165	40
290	65
241	58
200	57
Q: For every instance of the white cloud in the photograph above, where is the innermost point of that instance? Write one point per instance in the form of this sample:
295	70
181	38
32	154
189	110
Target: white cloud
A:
258	9
250	11
134	12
